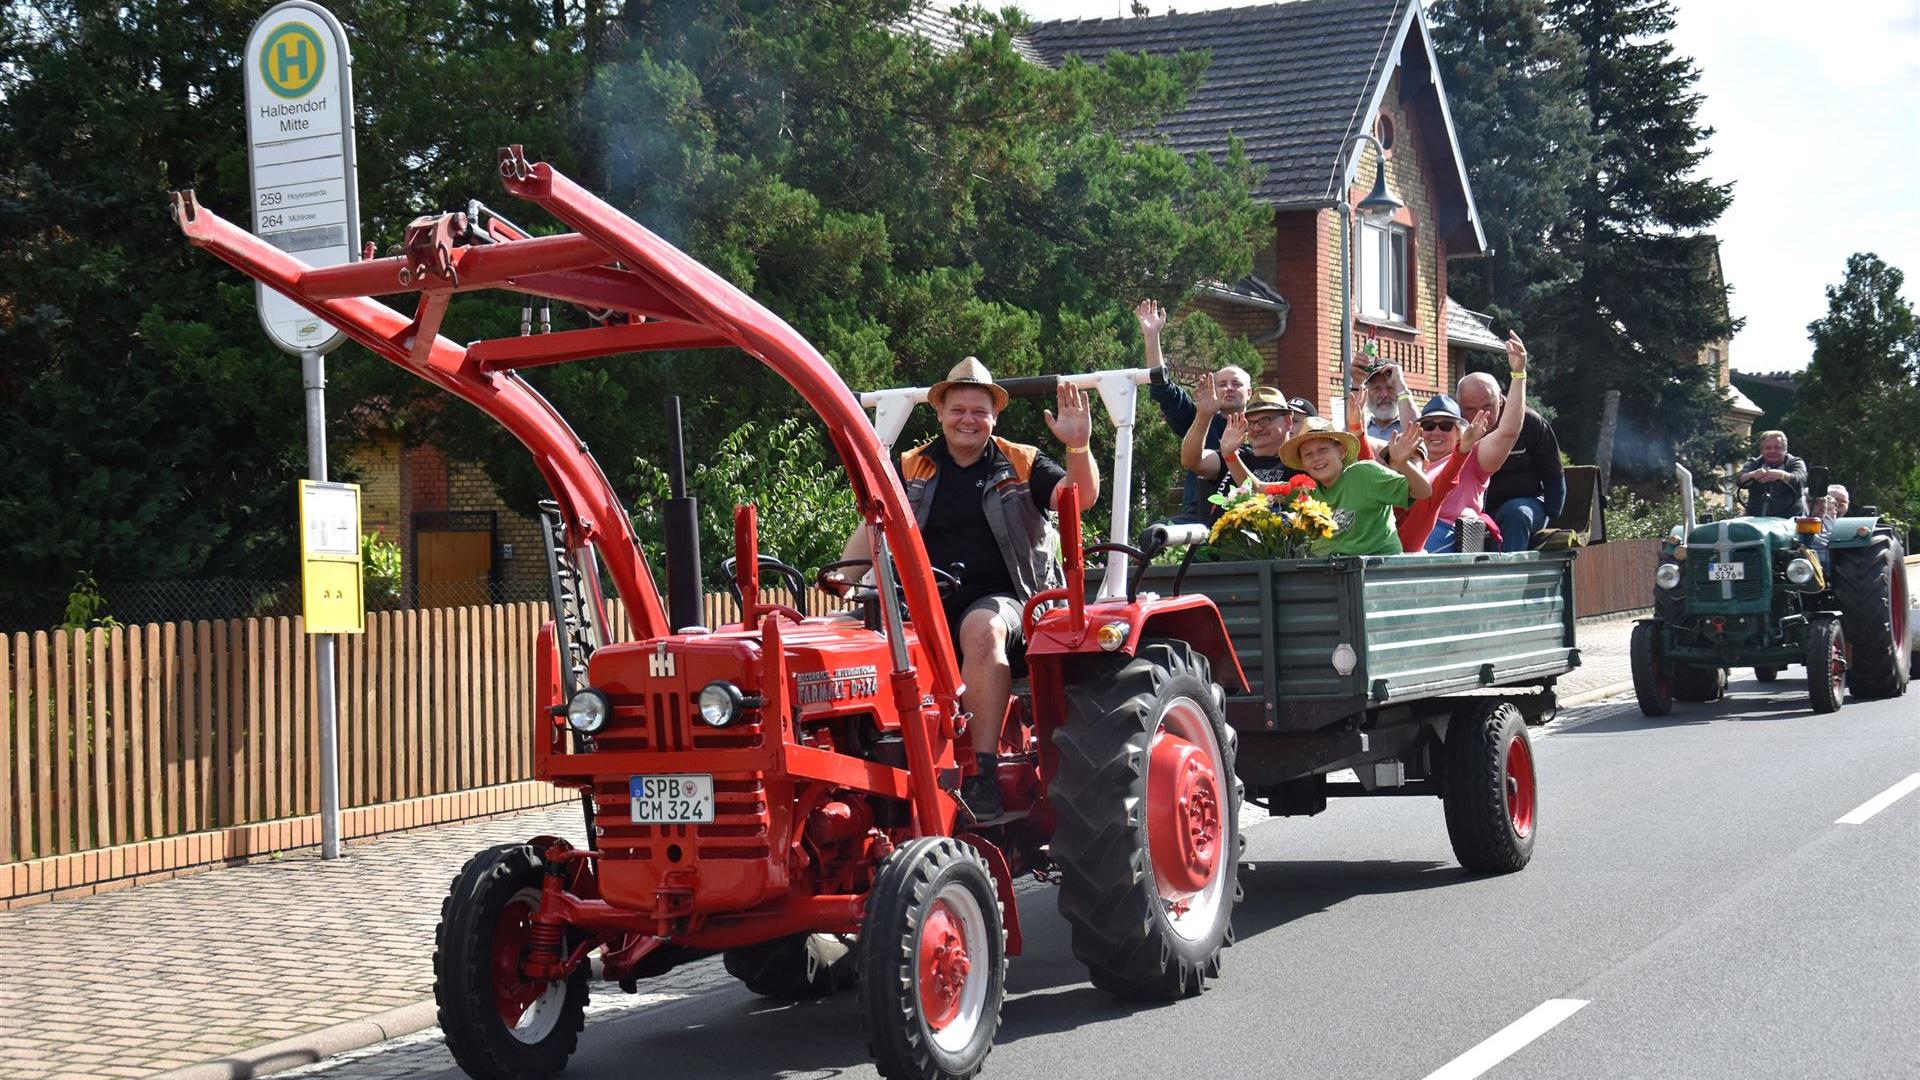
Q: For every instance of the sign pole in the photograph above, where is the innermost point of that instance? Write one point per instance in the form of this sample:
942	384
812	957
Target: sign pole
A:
313	376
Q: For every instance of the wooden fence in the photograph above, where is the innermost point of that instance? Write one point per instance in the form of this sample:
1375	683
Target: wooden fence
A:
116	736
1615	576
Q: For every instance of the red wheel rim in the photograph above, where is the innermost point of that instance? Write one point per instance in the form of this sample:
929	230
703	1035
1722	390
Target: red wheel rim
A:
944	964
1183	817
1520	786
513	992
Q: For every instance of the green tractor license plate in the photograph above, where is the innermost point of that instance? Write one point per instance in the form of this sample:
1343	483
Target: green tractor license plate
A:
686	799
1726	571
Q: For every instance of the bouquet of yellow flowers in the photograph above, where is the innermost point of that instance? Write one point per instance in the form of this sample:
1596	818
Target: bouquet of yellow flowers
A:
1271	521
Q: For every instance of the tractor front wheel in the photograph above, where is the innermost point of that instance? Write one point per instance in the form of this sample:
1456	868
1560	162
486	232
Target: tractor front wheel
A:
1651	684
1489	790
1870	584
1148	840
500	1024
933	962
1826	663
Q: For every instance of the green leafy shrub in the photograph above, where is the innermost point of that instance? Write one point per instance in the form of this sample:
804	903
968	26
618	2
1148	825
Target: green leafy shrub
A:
380	570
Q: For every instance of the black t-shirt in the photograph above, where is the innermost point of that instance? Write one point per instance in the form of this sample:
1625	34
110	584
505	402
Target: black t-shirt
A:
957	531
1533	462
1268	470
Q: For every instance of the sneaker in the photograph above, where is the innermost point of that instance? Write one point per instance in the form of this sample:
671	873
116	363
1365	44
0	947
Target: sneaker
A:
981	792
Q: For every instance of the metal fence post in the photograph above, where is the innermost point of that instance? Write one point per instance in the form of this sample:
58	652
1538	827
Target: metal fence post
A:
313	373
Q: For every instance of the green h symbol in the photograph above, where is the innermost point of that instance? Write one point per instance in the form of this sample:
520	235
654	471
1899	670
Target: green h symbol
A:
290	61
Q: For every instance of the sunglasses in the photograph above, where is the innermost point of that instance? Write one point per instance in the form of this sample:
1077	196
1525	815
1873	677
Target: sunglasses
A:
1436	425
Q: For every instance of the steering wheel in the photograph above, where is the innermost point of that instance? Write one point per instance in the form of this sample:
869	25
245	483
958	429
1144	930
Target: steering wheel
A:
795	580
852	590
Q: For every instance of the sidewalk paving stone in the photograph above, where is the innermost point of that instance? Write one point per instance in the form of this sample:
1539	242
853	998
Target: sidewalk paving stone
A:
217	963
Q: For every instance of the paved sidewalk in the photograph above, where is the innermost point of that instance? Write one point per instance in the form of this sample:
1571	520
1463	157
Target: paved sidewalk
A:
141	981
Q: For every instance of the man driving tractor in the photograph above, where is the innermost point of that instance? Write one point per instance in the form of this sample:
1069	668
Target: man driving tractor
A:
983	506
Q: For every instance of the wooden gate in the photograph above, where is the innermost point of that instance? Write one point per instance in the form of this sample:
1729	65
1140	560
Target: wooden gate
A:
453	558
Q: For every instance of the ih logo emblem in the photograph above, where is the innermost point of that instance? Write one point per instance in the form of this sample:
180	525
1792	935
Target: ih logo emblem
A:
660	664
292	60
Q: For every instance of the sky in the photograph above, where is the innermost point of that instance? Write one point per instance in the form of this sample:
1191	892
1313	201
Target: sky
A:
1816	115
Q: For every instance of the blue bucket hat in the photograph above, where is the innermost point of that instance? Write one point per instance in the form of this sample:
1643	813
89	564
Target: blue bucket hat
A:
1442	406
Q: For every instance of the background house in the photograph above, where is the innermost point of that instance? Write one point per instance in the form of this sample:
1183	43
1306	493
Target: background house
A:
1294	82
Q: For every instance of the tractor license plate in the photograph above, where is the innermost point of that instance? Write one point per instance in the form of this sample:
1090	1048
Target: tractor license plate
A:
1726	571
686	799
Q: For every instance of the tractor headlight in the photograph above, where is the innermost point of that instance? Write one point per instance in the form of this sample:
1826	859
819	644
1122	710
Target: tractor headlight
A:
588	711
1800	572
720	703
1112	635
1668	576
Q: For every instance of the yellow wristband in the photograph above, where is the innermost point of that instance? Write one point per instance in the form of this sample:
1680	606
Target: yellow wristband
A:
1076	449
1518	374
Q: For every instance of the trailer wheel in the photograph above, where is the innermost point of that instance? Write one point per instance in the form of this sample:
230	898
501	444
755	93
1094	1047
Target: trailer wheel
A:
1148	840
783	970
1651	684
933	962
1766	674
1489	792
1826	663
499	1024
1870	584
1694	682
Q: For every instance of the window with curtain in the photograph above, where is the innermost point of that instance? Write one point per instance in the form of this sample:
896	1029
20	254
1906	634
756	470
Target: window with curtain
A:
1383	272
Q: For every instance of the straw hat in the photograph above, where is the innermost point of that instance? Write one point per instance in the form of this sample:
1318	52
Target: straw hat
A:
1314	427
968	372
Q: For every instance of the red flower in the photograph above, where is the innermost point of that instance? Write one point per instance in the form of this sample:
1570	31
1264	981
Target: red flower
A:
1303	483
1275	489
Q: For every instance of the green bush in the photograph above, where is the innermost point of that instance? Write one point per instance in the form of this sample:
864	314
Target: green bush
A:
1631	517
380	570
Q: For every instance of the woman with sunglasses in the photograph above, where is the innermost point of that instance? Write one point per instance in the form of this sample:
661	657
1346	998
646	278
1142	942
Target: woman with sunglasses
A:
1442	429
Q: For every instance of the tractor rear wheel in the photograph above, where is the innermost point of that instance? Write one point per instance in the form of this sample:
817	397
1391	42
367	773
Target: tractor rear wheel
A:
1148	841
1826	663
1870	584
1651	684
1766	674
499	1024
933	962
1693	682
1489	791
782	969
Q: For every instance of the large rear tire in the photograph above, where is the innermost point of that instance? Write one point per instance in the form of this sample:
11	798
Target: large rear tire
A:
933	962
781	969
1148	840
1489	790
499	1024
1826	663
1870	584
1651	684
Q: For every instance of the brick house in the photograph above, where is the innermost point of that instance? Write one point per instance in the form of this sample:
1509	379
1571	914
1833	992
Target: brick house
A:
1295	81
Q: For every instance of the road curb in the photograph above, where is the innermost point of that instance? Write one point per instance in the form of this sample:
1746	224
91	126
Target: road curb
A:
1595	694
312	1047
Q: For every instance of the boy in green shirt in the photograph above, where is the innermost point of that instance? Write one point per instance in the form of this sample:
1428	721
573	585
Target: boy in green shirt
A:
1363	494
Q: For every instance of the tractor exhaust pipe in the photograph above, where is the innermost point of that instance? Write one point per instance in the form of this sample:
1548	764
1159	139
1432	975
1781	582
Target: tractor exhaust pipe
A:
1686	497
685	599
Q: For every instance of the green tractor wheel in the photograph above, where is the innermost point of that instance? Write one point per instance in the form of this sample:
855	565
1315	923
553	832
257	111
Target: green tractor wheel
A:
1870	584
1826	663
1651	684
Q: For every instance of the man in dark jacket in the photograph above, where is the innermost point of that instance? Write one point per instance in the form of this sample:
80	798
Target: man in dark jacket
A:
1776	481
1231	383
1531	488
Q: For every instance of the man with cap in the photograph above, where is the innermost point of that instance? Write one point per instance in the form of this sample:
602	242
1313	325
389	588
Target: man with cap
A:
1362	494
1231	384
984	506
1249	446
1383	398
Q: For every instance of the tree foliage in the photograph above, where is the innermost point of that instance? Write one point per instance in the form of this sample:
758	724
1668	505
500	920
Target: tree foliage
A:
902	205
1858	406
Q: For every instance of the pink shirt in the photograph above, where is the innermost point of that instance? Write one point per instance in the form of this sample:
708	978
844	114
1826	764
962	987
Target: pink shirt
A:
1469	492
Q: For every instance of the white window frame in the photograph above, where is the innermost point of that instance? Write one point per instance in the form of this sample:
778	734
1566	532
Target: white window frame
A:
1383	272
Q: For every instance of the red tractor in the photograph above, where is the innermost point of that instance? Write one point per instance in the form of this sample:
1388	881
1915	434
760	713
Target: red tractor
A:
782	790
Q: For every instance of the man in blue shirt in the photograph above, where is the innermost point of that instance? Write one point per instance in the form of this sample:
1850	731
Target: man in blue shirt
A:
1231	383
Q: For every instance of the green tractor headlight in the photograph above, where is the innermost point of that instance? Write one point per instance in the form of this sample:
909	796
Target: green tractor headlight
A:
1668	576
1802	572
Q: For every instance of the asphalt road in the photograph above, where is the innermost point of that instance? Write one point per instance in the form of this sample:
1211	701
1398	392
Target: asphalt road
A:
1691	886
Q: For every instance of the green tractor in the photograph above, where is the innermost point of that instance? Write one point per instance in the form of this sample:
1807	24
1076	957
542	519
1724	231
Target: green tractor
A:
1762	592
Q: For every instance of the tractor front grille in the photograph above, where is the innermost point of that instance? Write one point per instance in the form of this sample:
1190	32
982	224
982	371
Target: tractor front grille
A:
666	723
1703	592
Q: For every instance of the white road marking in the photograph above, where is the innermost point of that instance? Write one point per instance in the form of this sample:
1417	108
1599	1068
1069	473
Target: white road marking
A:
1859	814
1508	1040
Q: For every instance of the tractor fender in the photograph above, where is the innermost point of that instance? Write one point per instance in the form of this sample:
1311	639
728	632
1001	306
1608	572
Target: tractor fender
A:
1193	619
1852	532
